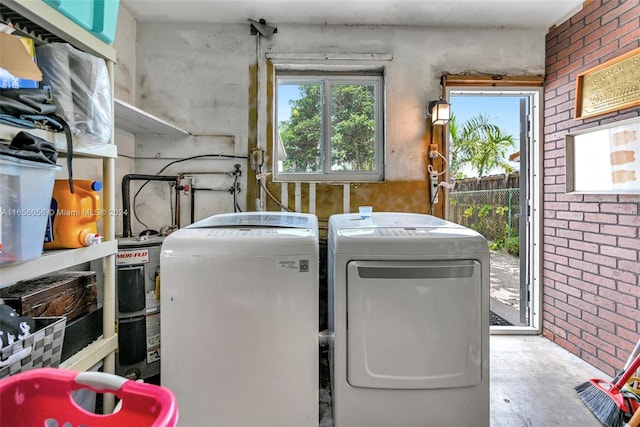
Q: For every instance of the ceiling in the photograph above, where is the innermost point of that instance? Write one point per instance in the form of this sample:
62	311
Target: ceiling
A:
535	14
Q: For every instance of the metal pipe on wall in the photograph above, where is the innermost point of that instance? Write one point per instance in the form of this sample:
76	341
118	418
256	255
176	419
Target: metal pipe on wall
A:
126	203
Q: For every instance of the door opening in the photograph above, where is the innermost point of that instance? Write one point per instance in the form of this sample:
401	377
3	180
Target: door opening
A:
493	142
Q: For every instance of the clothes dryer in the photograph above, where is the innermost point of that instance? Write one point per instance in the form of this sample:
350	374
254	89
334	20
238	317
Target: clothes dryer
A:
240	320
409	310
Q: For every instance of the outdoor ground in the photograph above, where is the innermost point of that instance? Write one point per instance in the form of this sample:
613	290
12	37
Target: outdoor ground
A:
505	288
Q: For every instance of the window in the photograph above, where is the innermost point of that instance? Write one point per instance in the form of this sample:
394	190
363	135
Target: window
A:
329	127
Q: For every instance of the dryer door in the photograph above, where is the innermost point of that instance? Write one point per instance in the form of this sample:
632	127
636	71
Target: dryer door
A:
414	324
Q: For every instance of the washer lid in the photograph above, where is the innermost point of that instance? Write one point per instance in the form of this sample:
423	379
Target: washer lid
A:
259	219
402	234
246	234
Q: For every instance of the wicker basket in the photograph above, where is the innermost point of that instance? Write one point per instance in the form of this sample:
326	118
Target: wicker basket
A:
41	349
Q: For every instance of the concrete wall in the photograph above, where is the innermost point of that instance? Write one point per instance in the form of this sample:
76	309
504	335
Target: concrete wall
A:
203	78
591	243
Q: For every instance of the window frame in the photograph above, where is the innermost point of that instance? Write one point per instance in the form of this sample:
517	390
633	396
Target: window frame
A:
326	79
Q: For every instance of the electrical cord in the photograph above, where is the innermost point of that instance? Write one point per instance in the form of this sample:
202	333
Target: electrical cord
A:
431	169
200	156
272	197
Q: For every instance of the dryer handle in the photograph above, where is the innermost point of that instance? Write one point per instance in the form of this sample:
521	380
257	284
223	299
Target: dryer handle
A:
436	271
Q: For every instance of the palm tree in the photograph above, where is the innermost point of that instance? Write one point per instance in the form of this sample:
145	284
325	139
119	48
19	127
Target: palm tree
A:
479	144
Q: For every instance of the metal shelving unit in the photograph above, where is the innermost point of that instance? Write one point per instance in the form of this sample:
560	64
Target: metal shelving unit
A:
38	20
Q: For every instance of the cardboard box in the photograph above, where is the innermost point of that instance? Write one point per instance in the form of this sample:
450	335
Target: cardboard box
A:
17	63
70	294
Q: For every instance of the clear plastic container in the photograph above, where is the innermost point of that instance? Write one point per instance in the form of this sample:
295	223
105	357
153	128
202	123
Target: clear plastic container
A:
25	197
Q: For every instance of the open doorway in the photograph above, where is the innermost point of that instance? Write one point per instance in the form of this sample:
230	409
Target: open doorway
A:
493	146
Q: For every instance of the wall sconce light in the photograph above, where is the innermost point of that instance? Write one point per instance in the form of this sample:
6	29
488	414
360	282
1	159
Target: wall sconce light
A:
439	111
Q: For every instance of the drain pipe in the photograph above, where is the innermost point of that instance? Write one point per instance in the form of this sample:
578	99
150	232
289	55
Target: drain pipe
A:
126	203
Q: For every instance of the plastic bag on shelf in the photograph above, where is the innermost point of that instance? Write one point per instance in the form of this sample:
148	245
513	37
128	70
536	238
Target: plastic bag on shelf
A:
81	90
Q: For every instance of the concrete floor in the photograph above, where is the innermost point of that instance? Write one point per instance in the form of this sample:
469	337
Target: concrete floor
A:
532	384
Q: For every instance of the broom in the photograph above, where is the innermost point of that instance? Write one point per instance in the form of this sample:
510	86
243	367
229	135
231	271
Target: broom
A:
605	399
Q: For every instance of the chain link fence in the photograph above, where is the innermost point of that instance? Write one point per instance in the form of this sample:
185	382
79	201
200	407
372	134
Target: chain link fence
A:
493	213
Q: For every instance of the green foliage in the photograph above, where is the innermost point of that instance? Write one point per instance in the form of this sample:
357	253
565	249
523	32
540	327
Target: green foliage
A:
301	134
512	244
489	221
479	144
352	129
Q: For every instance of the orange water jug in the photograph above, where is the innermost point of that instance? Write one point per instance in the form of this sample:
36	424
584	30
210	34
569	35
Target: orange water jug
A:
73	217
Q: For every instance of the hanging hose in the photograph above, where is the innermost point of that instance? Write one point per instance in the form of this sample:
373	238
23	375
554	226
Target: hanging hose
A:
126	203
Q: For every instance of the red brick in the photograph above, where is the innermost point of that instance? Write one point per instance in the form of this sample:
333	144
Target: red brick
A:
600	260
578	342
557	65
624	6
570	234
594	10
557	259
597	322
603	51
632	14
627	308
629	243
618	230
557	314
595	301
601	344
605	33
620	275
630	220
584	207
599	238
616	297
631	289
582	266
570	270
582	32
555	294
600	198
584	287
584	246
568	327
601	279
601	218
617	319
622	208
612	251
557	241
633	266
584	326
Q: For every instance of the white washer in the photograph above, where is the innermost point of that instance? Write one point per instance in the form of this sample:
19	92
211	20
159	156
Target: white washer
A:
240	320
409	308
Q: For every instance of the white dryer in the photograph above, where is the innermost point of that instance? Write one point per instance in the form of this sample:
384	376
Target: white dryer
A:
409	309
240	320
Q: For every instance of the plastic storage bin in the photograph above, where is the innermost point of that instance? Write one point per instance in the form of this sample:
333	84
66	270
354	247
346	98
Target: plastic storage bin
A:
43	396
41	349
100	17
25	198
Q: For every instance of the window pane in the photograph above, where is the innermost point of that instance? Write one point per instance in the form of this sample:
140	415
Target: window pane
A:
299	128
353	128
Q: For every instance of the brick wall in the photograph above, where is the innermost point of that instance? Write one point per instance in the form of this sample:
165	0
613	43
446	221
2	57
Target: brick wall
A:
591	243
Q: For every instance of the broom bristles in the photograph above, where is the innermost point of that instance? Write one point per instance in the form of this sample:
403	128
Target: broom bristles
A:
601	405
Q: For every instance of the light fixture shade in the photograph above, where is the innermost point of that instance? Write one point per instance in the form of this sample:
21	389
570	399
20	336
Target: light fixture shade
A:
439	111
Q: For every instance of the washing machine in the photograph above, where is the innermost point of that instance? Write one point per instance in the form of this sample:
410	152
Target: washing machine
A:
409	312
240	320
